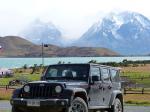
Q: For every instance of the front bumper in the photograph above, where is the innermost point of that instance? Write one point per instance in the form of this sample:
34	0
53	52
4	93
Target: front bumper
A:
46	104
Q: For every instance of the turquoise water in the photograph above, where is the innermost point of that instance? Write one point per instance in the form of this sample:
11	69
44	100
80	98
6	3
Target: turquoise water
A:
19	62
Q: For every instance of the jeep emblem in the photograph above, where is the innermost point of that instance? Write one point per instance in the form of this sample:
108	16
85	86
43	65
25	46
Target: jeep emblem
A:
42	85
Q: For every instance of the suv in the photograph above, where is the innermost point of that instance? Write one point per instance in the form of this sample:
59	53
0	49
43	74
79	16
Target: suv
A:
71	88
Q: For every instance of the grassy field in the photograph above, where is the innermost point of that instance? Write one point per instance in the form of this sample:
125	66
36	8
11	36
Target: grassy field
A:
139	74
5	94
138	99
139	77
24	76
4	110
20	74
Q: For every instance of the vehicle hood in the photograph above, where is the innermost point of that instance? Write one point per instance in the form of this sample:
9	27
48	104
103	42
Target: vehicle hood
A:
67	84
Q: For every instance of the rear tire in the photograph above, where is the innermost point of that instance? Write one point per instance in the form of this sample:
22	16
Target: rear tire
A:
78	105
117	107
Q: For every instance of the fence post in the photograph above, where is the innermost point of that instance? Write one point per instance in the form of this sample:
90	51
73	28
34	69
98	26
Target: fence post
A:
142	90
124	91
6	87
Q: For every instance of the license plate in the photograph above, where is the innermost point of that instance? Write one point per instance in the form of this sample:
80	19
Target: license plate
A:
34	103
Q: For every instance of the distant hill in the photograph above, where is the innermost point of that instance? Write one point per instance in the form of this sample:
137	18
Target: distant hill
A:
13	46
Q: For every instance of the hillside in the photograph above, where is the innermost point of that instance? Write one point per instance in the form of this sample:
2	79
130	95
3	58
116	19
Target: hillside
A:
13	46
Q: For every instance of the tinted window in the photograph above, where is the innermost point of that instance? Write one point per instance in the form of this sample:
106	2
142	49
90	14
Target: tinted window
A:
114	75
105	74
53	72
72	72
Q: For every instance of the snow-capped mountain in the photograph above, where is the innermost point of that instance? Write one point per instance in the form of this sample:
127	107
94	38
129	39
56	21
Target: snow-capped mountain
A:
39	32
125	32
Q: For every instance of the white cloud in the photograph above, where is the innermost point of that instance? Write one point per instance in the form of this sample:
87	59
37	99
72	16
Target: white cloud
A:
74	16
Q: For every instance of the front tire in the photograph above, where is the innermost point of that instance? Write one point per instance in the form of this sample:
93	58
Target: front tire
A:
117	107
14	110
78	105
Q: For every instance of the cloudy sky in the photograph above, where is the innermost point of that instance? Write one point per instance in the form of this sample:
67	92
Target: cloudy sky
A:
73	17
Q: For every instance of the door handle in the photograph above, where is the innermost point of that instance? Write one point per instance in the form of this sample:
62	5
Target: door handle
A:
100	87
103	89
109	87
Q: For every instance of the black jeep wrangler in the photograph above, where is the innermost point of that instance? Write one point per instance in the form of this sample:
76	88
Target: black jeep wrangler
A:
71	88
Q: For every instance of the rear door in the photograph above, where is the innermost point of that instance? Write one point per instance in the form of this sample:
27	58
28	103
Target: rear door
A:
115	79
107	85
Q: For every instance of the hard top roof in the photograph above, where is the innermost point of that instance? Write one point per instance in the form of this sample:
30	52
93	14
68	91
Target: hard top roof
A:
90	64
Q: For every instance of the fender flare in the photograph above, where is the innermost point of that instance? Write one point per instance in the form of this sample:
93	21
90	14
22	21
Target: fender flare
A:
16	93
114	95
79	92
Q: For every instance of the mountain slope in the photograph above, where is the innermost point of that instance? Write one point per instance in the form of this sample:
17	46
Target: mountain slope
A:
39	32
123	32
13	46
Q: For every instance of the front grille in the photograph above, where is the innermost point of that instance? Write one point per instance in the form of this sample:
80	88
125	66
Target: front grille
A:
40	91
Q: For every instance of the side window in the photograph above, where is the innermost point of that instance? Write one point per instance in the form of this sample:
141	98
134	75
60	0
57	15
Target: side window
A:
95	71
114	75
105	74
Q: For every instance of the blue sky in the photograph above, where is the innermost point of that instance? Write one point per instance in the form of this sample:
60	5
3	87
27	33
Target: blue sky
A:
73	17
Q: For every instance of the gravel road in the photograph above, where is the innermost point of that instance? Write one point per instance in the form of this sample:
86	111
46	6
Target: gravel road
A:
5	107
137	109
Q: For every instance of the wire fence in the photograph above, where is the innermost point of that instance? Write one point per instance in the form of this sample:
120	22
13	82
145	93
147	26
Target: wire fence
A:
137	91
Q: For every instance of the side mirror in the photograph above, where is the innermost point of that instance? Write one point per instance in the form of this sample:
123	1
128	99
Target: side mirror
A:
42	78
95	78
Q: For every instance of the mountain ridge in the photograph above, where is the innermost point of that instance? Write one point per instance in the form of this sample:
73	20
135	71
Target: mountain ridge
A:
127	33
123	32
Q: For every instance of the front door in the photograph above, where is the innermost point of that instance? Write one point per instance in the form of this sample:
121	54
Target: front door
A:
95	90
107	85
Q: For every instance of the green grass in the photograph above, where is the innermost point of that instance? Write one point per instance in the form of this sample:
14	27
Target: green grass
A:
144	103
25	76
144	82
6	94
5	111
134	75
5	81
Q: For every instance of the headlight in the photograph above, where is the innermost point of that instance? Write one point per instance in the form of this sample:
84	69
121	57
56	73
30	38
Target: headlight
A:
58	89
26	88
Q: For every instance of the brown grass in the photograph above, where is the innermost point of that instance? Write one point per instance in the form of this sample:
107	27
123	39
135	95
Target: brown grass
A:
139	68
5	94
137	98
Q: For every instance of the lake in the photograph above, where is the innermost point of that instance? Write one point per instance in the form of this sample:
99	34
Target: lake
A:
19	62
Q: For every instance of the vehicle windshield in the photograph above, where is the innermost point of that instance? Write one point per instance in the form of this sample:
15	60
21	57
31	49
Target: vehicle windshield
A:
67	72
